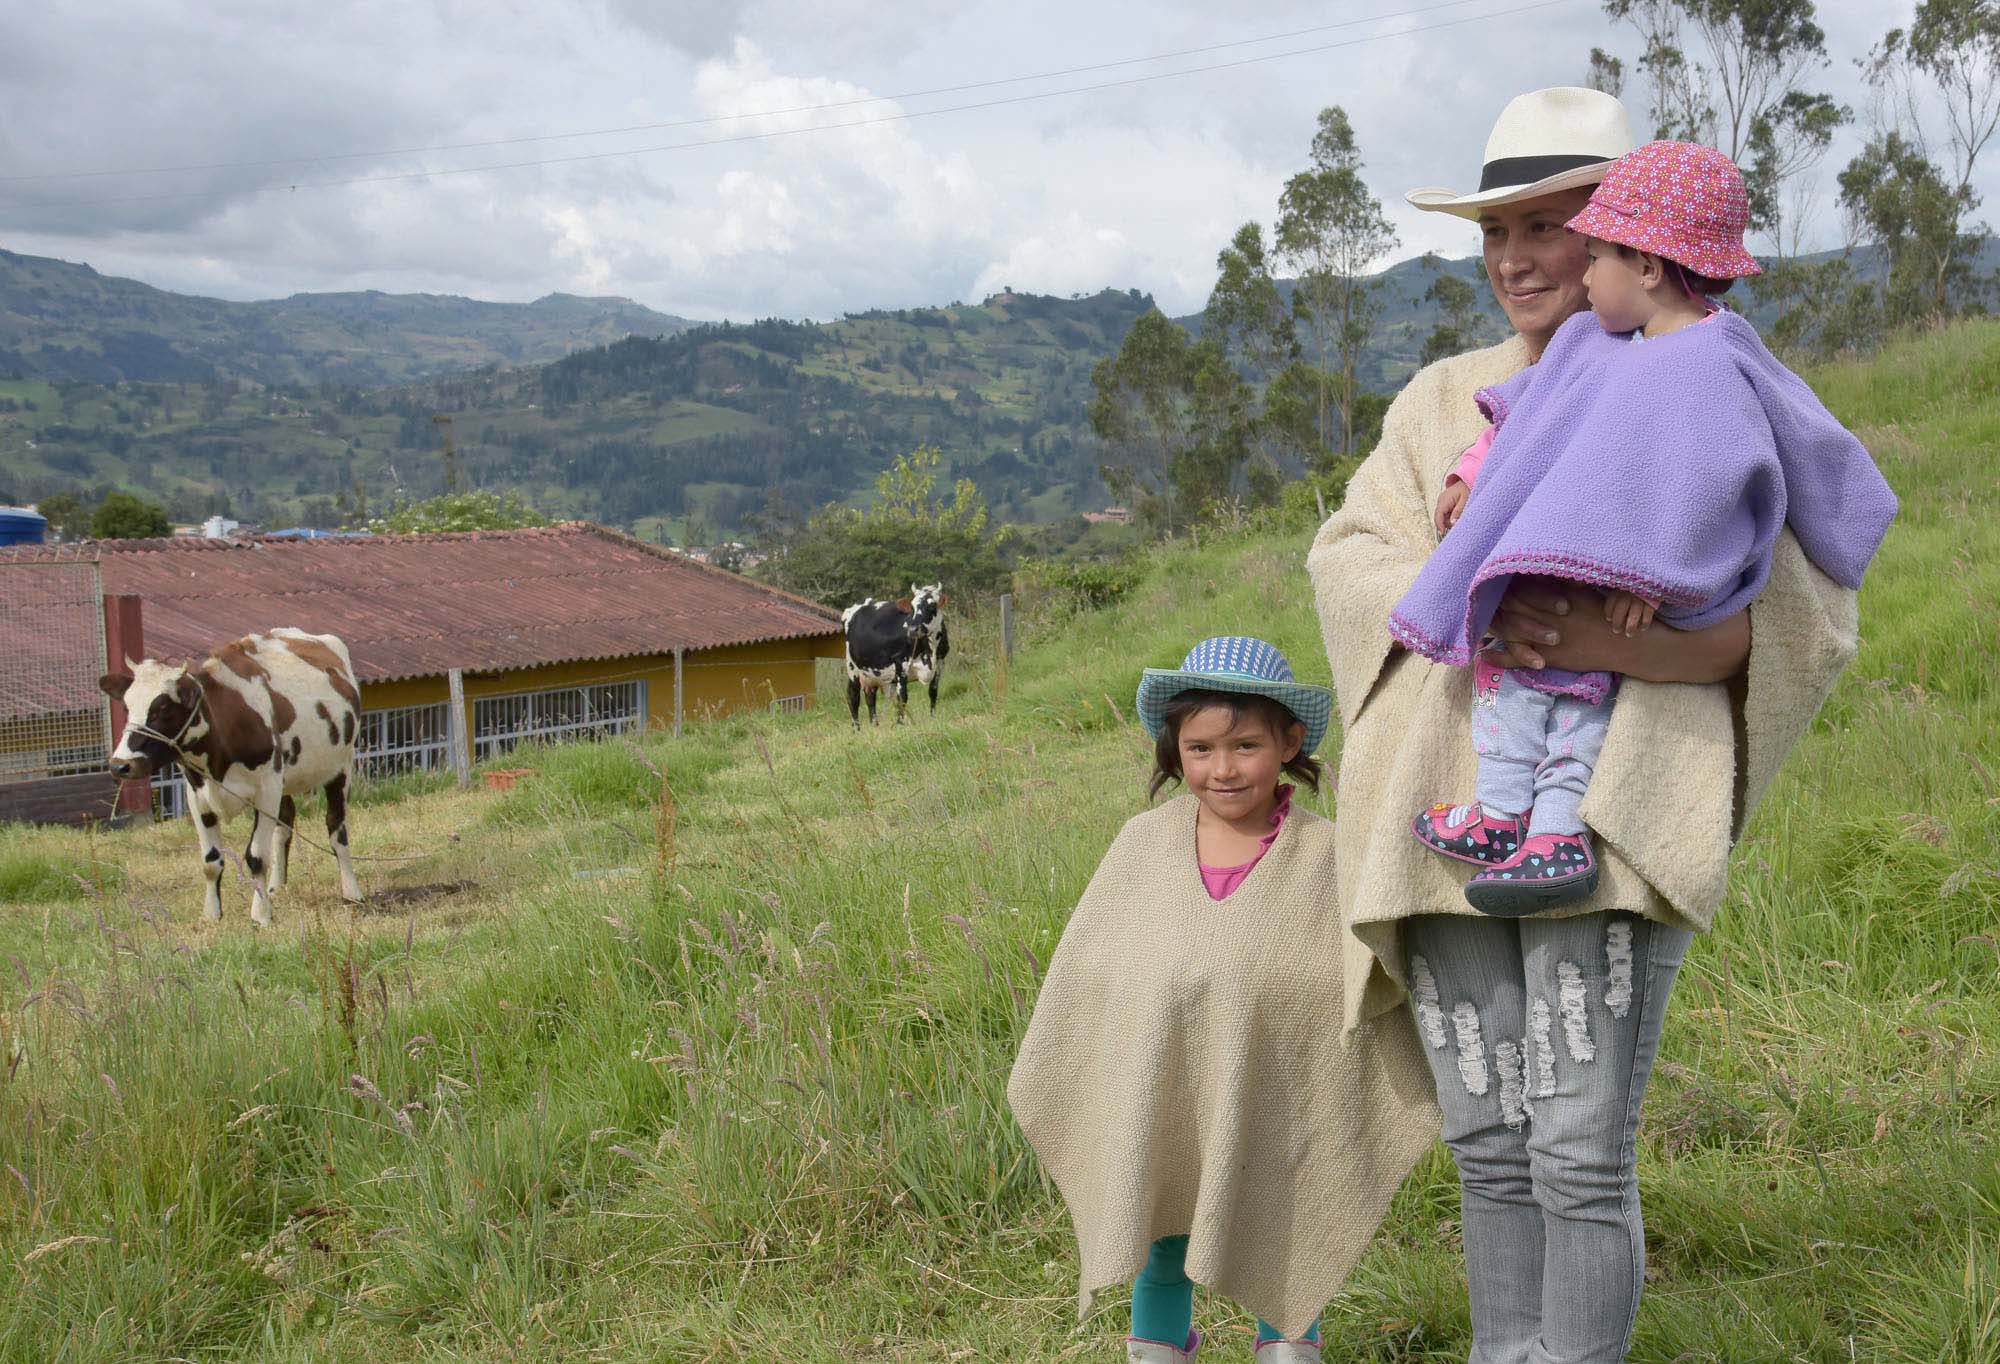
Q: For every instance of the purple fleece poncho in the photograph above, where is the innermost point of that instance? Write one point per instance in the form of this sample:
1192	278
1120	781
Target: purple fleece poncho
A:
1664	469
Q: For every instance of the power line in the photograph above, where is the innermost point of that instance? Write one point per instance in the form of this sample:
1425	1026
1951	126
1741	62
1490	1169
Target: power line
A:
903	116
728	118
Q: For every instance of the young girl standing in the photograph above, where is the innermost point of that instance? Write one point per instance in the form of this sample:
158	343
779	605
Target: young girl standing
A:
1183	1078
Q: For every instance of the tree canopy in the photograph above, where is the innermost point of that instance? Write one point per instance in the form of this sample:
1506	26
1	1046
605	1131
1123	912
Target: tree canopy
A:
912	531
458	511
121	516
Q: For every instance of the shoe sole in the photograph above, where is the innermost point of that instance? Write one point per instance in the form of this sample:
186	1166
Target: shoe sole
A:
1417	832
1514	899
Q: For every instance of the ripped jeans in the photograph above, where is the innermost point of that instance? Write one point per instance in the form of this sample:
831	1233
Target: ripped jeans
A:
1541	1035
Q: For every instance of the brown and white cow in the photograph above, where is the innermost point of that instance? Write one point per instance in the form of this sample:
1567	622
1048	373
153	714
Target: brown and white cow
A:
255	724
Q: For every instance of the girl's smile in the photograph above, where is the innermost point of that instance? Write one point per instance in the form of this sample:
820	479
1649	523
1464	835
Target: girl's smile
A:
1232	764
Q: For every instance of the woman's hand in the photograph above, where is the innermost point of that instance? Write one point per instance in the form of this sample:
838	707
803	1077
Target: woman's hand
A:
1547	623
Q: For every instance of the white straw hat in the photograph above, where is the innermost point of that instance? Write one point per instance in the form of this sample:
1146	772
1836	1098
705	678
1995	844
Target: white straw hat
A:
1543	141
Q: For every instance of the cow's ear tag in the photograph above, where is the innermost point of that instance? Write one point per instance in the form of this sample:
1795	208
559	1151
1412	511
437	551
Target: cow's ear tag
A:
114	685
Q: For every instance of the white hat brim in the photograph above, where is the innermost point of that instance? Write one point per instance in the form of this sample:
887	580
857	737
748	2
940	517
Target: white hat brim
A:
1470	206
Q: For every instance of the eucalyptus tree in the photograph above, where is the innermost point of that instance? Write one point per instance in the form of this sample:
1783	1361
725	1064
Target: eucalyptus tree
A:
1944	69
1331	229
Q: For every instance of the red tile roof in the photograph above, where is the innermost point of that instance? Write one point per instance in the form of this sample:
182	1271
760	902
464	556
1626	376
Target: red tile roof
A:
418	605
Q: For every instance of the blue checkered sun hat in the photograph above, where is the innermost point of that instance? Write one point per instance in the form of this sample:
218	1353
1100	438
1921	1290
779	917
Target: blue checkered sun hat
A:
1236	663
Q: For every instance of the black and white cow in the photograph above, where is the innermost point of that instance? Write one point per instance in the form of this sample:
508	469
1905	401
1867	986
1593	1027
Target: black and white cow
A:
890	642
255	724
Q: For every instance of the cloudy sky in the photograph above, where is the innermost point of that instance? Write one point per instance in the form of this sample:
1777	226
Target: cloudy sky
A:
1135	185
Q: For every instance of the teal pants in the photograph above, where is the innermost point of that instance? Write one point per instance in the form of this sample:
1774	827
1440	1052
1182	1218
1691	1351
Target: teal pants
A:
1163	1298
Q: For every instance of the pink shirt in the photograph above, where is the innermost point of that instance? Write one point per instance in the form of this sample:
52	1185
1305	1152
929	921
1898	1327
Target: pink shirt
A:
1466	471
1223	880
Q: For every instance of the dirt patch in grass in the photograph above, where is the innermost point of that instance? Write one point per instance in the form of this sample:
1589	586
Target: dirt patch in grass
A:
397	897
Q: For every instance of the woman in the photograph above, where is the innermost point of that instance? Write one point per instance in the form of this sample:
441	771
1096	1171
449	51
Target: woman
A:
1541	1032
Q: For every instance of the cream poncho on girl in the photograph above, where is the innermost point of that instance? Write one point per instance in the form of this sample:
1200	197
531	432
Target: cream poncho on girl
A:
1184	1073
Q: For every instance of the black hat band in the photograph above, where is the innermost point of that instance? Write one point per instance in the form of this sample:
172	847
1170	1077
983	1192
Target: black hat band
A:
1510	171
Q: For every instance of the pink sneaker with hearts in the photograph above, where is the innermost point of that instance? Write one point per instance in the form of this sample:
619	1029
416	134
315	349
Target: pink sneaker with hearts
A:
1466	832
1547	870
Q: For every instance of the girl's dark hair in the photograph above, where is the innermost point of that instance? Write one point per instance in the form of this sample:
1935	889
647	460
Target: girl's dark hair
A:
1167	748
1697	284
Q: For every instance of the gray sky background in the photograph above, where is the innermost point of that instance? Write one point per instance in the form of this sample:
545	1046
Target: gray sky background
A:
1137	186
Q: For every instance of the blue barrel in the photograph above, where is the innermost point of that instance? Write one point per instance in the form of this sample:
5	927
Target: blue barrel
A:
19	526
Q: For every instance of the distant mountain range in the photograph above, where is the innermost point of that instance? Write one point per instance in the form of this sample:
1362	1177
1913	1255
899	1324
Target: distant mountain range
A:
294	411
64	321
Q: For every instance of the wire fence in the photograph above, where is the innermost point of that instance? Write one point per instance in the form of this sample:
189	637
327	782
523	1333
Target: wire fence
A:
54	721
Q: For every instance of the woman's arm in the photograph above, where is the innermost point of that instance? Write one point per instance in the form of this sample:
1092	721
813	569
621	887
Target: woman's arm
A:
1552	624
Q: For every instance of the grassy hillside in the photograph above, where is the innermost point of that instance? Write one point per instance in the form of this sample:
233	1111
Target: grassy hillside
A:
64	321
598	1077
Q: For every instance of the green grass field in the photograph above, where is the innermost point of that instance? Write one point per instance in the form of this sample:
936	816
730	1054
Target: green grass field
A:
600	1075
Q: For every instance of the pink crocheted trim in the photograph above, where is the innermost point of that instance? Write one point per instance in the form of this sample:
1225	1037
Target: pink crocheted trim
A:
1493	404
1586	687
1569	567
1575	568
1420	641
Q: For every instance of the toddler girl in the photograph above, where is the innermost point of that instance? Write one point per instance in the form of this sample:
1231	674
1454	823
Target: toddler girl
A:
1659	473
1182	1078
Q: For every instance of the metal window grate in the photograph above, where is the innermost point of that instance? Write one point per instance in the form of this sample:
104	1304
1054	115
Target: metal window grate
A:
790	705
563	713
403	739
388	743
170	799
53	719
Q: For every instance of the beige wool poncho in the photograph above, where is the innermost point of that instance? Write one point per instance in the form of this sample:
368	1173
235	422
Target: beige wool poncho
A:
1682	765
1184	1073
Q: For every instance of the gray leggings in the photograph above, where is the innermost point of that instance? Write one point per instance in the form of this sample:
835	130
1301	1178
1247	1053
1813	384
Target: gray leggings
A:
1536	752
1541	1035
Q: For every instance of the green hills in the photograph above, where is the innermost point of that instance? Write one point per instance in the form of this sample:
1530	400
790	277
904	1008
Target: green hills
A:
315	408
704	424
306	409
60	320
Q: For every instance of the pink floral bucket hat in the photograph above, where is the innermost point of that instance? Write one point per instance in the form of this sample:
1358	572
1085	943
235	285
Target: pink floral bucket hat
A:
1678	200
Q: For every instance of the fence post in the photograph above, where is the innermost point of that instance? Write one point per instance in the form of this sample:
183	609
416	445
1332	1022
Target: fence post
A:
1320	498
461	746
124	644
1007	625
677	693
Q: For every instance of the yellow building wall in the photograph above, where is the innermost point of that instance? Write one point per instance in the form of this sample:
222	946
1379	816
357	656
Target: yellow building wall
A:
713	681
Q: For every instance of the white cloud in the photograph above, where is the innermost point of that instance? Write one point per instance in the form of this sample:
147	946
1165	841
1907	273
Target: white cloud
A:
1130	187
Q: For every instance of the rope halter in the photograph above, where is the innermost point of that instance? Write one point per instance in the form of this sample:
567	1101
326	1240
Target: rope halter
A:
181	755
